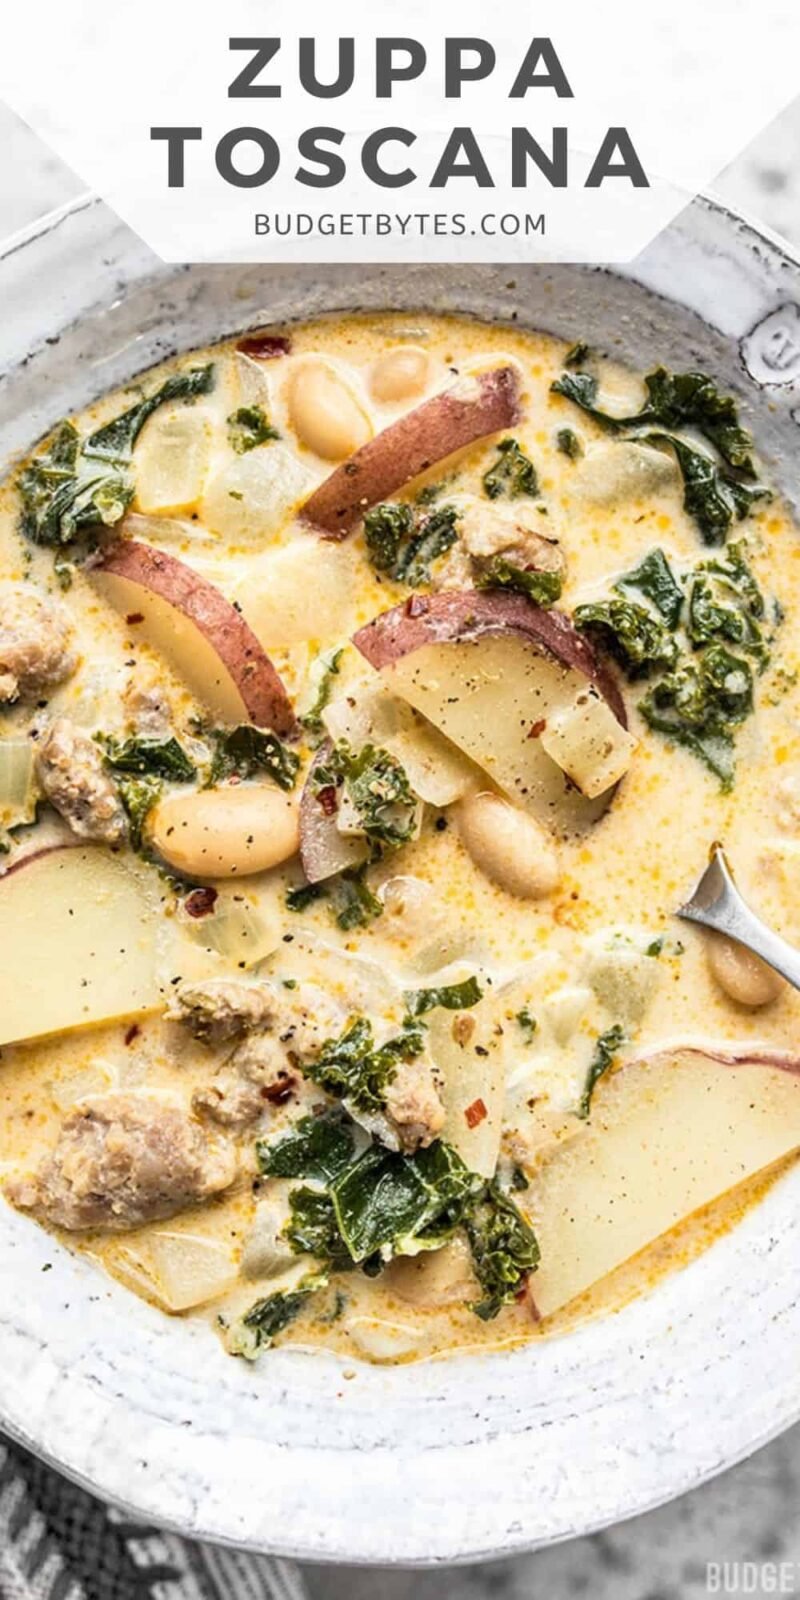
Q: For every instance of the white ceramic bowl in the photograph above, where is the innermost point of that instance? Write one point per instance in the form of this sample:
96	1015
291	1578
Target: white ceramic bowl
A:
475	1456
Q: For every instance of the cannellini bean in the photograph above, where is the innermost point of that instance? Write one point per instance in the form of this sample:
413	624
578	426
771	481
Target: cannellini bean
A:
226	833
509	846
400	374
745	978
324	412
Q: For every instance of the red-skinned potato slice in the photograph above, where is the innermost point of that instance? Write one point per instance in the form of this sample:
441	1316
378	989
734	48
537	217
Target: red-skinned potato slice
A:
324	851
204	637
472	409
461	615
667	1135
493	672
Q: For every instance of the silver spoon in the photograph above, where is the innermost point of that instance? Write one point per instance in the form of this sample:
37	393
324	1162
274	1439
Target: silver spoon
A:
717	903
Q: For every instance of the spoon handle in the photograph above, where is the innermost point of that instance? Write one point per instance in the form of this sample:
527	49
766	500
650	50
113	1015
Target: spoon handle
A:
717	904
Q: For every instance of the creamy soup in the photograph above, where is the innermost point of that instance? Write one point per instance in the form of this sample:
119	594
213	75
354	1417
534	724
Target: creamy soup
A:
371	694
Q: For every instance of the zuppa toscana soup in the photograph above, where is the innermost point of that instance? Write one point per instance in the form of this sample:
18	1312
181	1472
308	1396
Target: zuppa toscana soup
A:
371	693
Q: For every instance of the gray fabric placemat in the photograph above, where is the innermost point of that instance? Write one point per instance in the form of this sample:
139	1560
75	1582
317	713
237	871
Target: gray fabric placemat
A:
59	1543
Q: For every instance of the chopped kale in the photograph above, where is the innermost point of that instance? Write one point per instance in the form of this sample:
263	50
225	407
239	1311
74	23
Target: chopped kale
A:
605	1052
700	704
399	1204
569	444
313	1229
716	491
674	400
542	587
711	496
269	1317
452	997
527	1023
355	1069
578	354
161	758
377	787
316	1147
115	440
404	542
138	796
312	720
355	905
303	895
655	579
249	427
504	1250
725	603
637	639
512	475
245	751
73	485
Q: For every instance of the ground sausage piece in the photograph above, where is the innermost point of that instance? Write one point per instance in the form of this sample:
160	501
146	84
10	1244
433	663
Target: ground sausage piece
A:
222	1008
35	649
121	1161
264	1071
414	1108
72	775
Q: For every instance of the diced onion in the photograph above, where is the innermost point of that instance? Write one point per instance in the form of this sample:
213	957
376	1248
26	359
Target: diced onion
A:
17	783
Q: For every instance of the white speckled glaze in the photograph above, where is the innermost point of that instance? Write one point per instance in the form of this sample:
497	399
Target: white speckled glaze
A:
468	1457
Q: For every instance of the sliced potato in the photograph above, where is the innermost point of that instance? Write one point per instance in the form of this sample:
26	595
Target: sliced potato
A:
467	1054
588	743
250	499
198	630
284	609
177	1270
667	1135
78	931
172	460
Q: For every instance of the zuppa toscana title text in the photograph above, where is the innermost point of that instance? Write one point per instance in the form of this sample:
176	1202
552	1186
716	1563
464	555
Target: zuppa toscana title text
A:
249	156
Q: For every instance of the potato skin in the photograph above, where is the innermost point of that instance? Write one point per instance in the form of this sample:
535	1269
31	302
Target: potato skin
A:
463	614
447	422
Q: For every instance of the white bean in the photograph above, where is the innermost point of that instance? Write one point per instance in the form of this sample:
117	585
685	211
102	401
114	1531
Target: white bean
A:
745	979
509	846
400	374
226	833
324	412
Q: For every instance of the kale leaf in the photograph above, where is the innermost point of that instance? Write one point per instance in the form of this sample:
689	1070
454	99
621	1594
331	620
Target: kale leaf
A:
504	1250
404	542
355	1069
303	895
633	635
249	427
355	905
312	719
73	485
700	704
711	496
269	1317
725	603
452	997
716	492
161	758
245	751
138	796
605	1053
527	1023
655	579
115	440
317	1147
542	587
313	1229
392	1203
378	790
512	475
569	444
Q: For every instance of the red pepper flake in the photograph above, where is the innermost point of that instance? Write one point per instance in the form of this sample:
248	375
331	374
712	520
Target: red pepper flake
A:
537	728
265	346
132	1033
475	1113
417	606
133	617
278	1093
200	902
328	801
